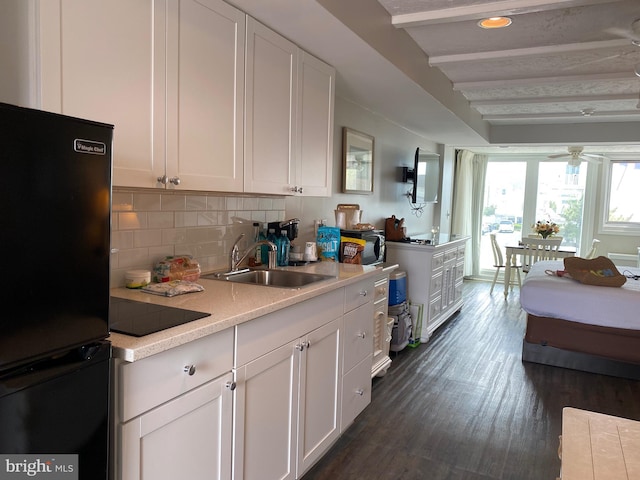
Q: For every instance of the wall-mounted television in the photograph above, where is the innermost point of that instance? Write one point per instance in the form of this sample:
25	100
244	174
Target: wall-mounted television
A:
425	176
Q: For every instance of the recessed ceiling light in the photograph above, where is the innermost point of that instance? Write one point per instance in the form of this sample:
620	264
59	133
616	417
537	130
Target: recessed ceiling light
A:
495	22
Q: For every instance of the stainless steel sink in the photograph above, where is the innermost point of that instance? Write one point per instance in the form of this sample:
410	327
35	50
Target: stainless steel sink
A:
271	278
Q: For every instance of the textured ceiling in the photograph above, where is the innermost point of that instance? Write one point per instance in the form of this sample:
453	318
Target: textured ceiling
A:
555	61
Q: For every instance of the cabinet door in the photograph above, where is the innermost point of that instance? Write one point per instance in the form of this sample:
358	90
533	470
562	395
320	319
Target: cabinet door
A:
320	393
271	93
104	61
205	81
265	415
188	437
316	95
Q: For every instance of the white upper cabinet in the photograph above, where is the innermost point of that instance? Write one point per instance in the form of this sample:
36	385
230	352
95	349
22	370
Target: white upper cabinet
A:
202	96
97	62
205	103
169	74
316	96
290	98
271	96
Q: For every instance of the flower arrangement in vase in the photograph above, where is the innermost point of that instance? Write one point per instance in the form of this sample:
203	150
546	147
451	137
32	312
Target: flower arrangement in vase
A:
545	228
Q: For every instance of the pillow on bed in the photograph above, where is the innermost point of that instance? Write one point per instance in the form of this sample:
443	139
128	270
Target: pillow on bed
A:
595	271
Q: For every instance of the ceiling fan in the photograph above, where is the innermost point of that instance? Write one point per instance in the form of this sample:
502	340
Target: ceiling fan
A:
576	156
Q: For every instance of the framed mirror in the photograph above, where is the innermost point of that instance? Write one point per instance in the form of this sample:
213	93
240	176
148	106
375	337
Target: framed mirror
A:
357	161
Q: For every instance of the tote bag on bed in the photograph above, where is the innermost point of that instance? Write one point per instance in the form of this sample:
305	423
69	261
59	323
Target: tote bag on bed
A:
595	271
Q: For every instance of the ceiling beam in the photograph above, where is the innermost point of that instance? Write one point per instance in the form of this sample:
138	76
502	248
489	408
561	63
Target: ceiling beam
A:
538	116
524	52
541	100
501	83
491	9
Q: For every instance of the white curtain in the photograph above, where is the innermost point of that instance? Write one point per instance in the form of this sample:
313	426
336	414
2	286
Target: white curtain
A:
470	170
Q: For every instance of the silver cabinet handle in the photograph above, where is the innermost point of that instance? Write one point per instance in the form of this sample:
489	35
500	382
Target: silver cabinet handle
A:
231	385
190	369
360	392
173	180
363	293
303	345
362	335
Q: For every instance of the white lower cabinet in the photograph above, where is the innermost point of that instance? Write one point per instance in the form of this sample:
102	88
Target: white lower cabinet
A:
261	401
358	350
173	413
287	405
189	437
434	278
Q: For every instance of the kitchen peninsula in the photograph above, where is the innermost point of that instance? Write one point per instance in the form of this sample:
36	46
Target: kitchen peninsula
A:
259	389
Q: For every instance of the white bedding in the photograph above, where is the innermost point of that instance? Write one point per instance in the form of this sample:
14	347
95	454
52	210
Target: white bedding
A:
544	295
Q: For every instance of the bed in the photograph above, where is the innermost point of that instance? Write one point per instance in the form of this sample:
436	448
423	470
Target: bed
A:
583	327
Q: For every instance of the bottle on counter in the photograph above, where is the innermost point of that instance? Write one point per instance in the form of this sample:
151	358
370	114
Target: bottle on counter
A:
284	245
271	236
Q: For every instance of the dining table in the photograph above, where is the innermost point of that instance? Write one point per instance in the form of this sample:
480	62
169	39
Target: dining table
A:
513	251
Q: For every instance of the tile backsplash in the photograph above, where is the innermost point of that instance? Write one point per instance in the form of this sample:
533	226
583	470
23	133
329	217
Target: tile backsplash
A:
147	225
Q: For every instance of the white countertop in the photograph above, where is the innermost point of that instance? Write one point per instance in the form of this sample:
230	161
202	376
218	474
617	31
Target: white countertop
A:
229	304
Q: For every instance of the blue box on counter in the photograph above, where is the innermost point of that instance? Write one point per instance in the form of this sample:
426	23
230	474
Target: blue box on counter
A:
397	288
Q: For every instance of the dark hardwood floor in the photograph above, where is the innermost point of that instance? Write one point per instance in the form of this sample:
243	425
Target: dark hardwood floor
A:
465	406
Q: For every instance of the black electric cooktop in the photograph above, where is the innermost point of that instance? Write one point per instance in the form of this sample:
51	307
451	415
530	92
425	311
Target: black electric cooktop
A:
138	319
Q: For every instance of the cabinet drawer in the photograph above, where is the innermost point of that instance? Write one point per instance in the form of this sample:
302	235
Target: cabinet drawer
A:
437	262
358	335
264	334
381	290
161	377
356	392
358	294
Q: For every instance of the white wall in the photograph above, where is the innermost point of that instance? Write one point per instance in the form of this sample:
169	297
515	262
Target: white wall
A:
394	146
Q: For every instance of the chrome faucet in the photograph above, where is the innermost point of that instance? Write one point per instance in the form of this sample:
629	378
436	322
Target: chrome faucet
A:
236	259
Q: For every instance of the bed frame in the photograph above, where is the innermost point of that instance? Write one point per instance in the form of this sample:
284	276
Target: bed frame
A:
590	348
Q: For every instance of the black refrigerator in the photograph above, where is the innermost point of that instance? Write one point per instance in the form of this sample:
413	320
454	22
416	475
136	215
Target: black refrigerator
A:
55	219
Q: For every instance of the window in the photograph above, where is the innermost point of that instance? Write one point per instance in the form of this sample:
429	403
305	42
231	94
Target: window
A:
523	189
560	198
622	208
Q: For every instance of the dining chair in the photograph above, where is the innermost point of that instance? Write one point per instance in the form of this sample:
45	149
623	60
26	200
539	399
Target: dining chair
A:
498	263
536	249
594	249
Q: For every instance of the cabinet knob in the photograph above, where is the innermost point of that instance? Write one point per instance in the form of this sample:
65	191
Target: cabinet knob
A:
360	392
362	335
363	293
296	189
301	346
173	180
190	369
231	385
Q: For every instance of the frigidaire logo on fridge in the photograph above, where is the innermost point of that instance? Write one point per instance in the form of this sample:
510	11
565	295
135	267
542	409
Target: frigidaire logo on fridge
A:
50	467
